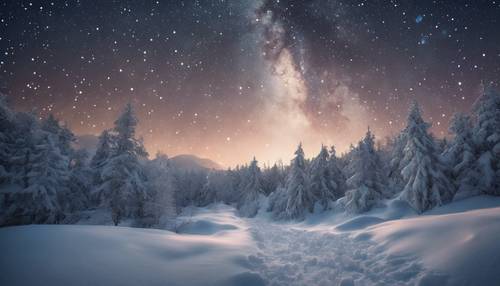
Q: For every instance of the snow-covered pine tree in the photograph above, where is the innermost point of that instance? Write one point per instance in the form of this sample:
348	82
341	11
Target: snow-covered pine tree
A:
77	188
47	182
345	161
208	193
100	159
272	178
487	140
190	183
396	147
367	183
123	180
324	186
295	199
25	138
426	183
335	165
80	183
222	186
7	127
442	145
228	193
61	135
460	156
160	209
320	182
248	204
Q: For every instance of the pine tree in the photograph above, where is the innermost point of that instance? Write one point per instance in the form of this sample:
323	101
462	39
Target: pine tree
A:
100	159
46	181
271	179
24	141
75	195
324	184
427	185
7	127
396	147
460	156
160	209
248	204
296	198
61	135
487	140
80	183
367	183
190	183
335	165
123	180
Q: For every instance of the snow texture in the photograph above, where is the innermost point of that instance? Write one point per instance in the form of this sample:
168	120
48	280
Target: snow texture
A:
451	245
106	255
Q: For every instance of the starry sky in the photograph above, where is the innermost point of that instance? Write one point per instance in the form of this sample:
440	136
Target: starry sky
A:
230	79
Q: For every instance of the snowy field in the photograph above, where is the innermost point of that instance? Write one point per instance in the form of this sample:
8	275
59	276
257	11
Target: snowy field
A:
453	245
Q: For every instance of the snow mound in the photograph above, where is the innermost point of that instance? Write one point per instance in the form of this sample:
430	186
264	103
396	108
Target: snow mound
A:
204	227
456	248
214	219
456	244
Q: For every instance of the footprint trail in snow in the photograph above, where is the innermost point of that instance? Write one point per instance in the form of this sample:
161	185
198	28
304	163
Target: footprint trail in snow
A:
290	256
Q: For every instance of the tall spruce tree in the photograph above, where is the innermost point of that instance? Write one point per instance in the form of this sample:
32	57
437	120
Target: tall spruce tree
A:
396	147
7	128
123	180
272	178
248	204
104	150
160	208
367	182
487	140
424	174
80	183
47	181
60	134
336	165
324	185
295	199
460	156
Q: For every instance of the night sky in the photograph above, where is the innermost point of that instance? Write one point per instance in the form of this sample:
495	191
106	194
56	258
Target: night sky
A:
232	79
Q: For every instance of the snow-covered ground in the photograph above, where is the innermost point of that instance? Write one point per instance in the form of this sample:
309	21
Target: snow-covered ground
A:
107	255
452	245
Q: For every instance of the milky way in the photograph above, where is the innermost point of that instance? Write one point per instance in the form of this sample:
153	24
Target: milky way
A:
233	79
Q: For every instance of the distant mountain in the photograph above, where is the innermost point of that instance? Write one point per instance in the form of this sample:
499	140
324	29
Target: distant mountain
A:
184	162
193	163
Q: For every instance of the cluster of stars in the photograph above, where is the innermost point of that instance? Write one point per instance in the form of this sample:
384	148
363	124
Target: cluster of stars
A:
193	68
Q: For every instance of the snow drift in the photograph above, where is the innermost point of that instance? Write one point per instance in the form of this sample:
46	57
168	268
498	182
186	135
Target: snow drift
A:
456	244
457	248
106	255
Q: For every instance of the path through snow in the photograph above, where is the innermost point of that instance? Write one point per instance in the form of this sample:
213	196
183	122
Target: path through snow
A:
292	256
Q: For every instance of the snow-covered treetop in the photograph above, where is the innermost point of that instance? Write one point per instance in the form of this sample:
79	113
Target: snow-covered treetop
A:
60	133
487	110
333	152
415	118
125	133
126	123
6	113
299	160
254	168
460	124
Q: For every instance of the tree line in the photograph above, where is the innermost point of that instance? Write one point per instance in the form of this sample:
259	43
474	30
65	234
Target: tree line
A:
44	179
